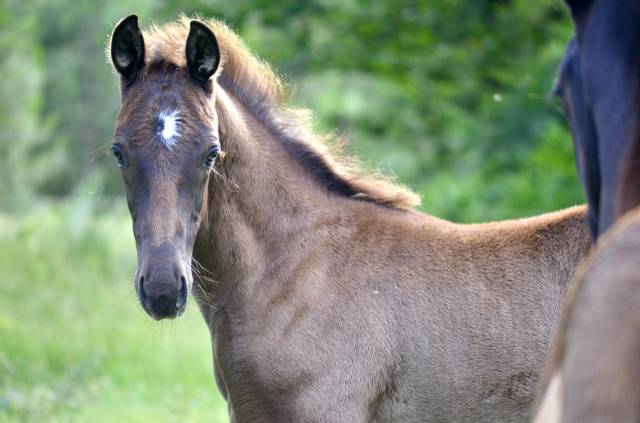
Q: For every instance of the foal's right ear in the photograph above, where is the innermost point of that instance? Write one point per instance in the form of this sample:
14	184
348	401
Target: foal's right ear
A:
127	48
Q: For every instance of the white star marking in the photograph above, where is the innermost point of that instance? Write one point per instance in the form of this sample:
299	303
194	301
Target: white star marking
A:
169	127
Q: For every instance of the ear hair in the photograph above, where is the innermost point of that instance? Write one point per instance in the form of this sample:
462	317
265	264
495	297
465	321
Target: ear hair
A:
202	51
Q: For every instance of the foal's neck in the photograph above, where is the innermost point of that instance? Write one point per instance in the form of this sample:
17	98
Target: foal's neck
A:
262	209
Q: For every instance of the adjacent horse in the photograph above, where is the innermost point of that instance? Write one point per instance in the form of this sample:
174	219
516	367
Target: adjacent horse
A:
593	371
592	374
599	82
328	298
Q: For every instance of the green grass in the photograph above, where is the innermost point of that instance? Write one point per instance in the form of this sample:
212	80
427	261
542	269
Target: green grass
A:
74	343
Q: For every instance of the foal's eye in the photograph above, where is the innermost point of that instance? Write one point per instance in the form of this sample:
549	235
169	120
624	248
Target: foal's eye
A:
117	153
212	156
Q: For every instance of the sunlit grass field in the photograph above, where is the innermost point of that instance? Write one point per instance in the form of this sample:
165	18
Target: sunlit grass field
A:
74	343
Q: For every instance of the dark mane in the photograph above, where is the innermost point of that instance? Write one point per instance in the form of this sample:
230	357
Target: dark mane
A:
262	93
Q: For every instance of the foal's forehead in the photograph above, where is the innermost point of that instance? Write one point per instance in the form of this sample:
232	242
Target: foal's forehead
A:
162	108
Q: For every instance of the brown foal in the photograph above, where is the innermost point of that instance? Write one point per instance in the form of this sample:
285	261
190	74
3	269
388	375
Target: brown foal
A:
328	298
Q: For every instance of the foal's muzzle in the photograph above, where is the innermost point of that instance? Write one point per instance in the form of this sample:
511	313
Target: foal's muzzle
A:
165	301
163	290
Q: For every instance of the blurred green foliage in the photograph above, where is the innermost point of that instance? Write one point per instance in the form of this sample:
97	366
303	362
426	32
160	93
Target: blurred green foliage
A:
449	95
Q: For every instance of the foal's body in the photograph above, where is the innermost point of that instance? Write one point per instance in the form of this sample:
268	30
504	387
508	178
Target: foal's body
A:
327	297
337	310
391	316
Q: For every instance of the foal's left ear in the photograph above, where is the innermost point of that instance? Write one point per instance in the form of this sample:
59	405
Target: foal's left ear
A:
203	53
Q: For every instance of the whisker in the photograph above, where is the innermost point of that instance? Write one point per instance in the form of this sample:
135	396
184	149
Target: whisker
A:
99	152
206	298
226	181
200	266
200	280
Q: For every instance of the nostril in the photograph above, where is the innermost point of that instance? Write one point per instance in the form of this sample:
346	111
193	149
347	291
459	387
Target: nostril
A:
182	294
141	287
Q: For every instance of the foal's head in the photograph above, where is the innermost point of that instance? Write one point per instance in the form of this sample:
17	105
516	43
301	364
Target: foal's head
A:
166	144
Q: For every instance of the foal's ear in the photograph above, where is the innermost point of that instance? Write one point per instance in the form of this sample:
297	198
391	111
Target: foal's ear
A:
579	9
203	53
127	48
